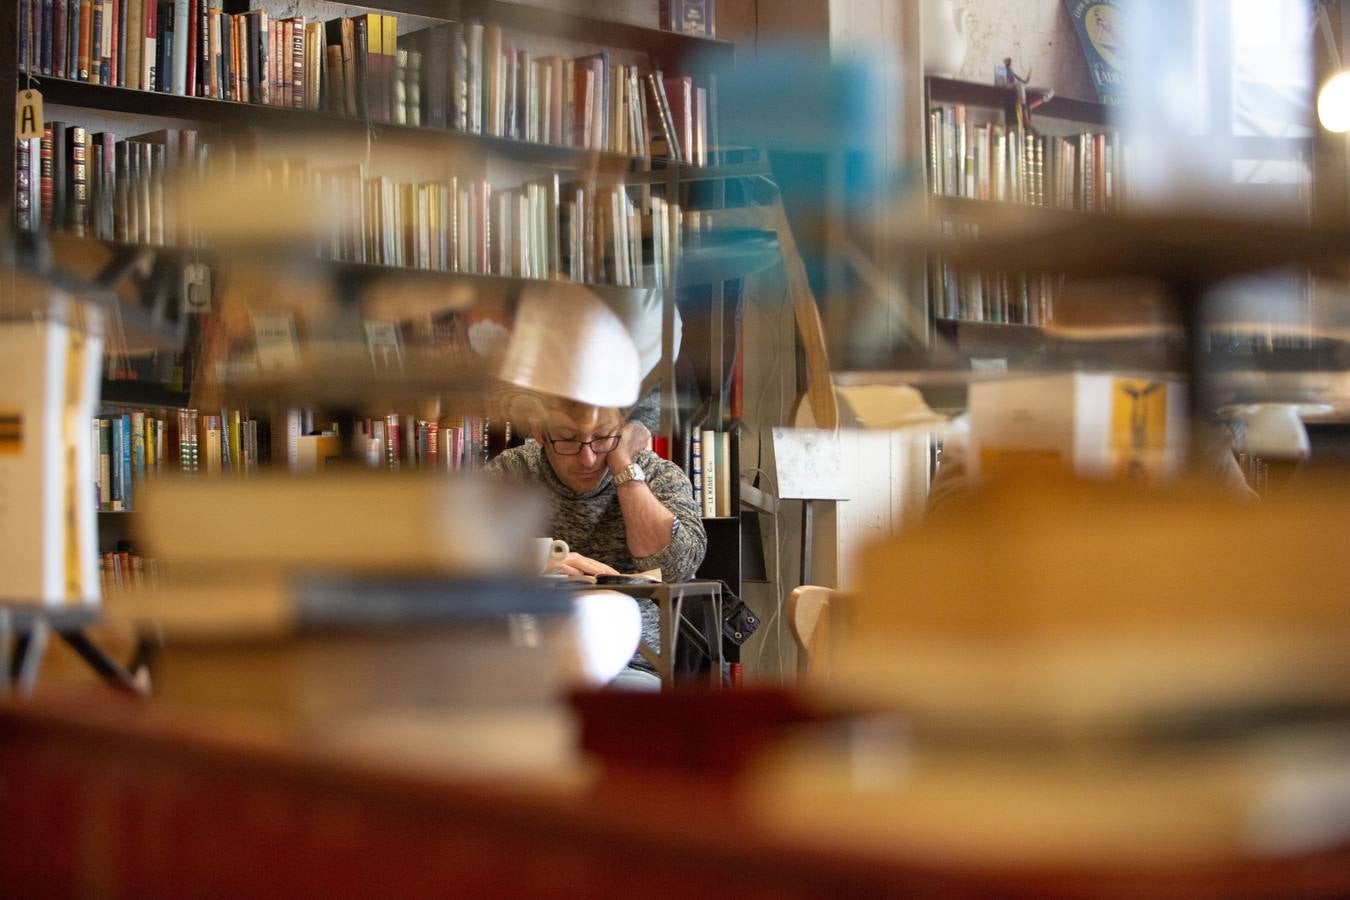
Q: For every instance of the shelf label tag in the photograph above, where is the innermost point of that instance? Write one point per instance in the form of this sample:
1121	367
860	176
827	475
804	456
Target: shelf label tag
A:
28	114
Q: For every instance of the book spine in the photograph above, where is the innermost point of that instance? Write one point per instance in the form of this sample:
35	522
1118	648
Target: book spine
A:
138	454
228	57
103	59
23	211
26	42
236	441
78	175
105	470
298	87
131	45
350	84
93	64
696	466
86	38
47	46
388	65
119	51
149	47
60	16
73	39
46	172
273	74
724	474
123	423
117	487
181	26
263	60
709	473
364	91
148	439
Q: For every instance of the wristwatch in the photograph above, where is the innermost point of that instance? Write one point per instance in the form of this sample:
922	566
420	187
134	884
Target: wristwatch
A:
630	472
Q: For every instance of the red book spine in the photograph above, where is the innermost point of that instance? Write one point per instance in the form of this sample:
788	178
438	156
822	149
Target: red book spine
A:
45	173
191	86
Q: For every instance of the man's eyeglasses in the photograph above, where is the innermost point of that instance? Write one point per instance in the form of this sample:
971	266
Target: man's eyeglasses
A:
599	446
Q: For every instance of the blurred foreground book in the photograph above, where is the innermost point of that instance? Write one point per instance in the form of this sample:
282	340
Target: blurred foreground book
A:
1091	674
306	599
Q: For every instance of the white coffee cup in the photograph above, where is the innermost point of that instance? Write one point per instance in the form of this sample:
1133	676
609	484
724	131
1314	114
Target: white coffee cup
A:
548	553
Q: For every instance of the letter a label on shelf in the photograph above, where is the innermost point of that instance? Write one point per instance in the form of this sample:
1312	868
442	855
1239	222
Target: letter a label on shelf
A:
28	115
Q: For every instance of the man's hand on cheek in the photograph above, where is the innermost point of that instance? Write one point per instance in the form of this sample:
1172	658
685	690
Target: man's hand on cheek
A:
632	440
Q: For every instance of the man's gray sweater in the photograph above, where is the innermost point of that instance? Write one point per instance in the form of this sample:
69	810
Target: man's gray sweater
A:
592	522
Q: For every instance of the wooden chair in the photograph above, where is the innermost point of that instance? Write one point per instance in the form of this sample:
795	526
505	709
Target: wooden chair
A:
808	612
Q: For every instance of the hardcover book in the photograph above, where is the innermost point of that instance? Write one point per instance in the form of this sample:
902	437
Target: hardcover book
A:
1099	23
688	17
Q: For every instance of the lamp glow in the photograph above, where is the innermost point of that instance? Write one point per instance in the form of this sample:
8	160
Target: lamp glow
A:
1333	103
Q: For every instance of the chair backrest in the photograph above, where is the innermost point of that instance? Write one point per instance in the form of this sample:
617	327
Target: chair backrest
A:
808	614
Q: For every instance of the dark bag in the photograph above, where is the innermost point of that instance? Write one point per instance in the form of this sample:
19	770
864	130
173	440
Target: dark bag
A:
693	658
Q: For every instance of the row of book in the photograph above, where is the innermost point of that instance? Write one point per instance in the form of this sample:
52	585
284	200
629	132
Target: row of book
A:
91	183
397	441
133	445
1001	299
710	471
462	75
988	161
125	569
129	447
463	444
474	81
541	229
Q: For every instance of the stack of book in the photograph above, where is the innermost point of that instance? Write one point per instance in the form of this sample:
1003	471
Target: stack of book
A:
989	161
463	75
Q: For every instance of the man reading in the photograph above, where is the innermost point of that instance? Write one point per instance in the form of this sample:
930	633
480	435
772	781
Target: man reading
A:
619	506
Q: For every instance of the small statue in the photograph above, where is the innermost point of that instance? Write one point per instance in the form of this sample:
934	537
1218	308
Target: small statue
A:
1006	76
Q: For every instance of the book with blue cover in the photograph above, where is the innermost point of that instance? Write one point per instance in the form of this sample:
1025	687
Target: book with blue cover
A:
124	430
1099	24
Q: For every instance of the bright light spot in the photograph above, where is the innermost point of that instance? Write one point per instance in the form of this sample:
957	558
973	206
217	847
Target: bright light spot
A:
1333	103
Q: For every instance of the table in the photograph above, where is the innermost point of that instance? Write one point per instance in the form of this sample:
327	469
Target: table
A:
670	600
24	631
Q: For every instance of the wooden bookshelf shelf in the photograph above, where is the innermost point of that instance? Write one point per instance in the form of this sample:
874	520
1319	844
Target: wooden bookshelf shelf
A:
995	337
281	119
946	207
116	392
442	297
971	93
695	54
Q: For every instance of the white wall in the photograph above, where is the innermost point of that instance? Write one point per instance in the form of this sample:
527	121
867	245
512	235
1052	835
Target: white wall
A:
1037	34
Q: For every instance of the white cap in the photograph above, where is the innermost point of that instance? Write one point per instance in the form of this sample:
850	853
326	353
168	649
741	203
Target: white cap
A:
568	343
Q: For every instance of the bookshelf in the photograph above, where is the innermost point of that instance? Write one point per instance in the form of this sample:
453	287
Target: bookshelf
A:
985	158
674	54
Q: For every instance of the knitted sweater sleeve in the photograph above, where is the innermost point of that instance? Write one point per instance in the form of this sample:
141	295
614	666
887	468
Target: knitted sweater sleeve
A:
679	559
